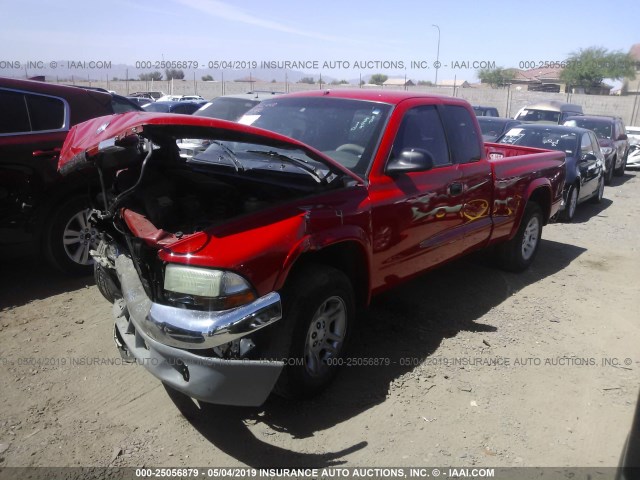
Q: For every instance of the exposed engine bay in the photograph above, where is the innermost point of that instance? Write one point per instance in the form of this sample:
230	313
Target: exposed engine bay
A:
184	196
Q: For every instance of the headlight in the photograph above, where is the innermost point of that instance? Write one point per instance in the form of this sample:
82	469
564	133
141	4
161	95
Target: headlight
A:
206	289
606	150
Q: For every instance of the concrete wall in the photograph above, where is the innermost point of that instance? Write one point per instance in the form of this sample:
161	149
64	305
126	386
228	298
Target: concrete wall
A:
507	100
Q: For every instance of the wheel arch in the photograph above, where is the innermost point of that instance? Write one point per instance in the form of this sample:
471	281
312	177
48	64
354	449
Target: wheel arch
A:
348	256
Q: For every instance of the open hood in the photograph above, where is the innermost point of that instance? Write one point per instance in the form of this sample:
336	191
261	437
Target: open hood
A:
87	140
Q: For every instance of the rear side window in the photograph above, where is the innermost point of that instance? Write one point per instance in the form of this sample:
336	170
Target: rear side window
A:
462	134
14	117
25	113
46	113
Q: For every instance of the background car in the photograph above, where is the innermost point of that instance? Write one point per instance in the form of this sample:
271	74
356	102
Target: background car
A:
228	107
40	211
169	98
612	138
190	98
154	95
482	111
584	162
550	112
493	127
186	108
140	101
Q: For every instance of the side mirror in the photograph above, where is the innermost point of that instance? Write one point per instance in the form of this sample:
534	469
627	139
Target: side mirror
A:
410	160
588	157
622	136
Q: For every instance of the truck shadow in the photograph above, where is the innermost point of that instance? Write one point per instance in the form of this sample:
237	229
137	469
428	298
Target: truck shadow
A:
409	322
588	210
28	278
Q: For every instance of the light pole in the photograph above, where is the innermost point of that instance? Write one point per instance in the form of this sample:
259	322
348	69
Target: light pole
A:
437	64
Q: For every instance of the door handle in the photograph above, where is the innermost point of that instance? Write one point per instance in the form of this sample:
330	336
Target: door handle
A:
46	153
455	189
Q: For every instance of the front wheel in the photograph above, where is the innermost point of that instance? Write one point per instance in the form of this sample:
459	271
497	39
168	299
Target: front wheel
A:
609	172
518	253
319	305
572	203
69	237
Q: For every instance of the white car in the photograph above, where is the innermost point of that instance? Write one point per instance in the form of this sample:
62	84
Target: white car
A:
633	157
188	98
170	98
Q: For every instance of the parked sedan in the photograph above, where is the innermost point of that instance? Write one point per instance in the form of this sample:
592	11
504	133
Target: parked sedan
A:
494	127
584	160
186	108
612	138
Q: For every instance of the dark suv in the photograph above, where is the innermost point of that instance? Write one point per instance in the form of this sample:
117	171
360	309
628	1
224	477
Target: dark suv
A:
612	138
40	211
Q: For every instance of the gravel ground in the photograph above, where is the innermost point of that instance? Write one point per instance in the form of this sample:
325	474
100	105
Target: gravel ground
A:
485	368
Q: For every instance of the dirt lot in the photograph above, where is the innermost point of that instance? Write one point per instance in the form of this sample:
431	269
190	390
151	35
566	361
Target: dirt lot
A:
529	385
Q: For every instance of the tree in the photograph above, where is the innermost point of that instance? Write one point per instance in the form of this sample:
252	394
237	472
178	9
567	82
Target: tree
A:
425	83
309	80
589	67
151	76
378	78
172	73
207	78
496	77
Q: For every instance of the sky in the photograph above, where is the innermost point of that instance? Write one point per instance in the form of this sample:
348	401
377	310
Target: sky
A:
382	37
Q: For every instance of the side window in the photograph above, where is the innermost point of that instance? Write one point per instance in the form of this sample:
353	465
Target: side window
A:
585	144
421	128
466	146
14	117
46	113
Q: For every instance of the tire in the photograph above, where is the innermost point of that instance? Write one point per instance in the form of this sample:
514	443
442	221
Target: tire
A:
619	172
318	340
68	238
609	172
597	198
572	202
518	253
107	284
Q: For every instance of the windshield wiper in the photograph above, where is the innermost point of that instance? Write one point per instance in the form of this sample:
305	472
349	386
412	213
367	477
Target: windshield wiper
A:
230	153
303	164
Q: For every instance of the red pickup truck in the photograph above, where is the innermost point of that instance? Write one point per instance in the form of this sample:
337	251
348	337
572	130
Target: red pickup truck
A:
238	269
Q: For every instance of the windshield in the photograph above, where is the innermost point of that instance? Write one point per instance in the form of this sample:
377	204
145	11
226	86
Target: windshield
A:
241	156
226	108
548	116
346	130
548	139
600	128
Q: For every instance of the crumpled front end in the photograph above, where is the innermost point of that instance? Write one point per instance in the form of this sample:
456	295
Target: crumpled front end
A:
178	346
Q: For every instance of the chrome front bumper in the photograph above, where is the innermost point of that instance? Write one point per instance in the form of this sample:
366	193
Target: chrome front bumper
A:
155	336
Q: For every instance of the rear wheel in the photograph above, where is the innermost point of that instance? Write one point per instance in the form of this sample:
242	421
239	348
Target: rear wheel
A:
319	306
570	207
69	237
518	253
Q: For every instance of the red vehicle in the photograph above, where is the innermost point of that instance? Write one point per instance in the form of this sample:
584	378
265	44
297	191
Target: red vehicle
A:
241	268
39	210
